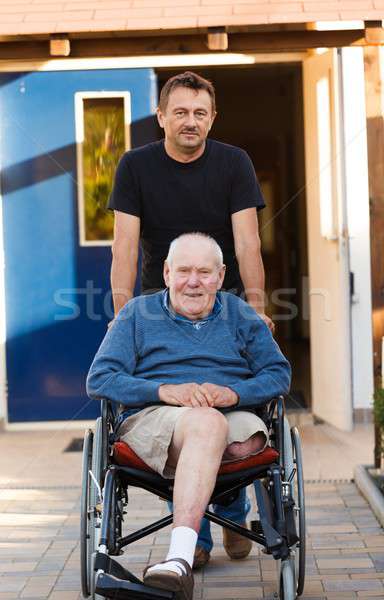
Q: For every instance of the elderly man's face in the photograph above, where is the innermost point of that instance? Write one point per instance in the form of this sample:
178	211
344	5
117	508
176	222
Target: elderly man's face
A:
193	278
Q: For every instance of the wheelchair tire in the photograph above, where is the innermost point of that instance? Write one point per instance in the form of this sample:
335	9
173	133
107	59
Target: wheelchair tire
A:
84	513
98	462
287	580
298	493
287	575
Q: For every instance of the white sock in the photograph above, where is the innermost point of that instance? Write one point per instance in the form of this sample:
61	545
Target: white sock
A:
183	544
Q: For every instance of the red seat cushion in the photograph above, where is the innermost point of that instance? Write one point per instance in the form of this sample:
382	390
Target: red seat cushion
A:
125	456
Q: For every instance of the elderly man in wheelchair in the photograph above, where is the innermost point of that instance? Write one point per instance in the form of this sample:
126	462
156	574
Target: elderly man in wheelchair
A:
192	371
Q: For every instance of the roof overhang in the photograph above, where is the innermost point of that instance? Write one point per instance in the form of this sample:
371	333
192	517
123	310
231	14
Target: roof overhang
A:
264	39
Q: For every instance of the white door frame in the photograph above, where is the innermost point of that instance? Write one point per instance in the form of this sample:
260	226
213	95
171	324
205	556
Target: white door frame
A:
357	209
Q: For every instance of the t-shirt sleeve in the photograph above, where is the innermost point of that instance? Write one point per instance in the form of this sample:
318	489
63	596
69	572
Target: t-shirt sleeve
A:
245	190
125	195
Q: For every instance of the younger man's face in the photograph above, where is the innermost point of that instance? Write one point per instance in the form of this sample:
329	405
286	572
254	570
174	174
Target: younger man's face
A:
187	118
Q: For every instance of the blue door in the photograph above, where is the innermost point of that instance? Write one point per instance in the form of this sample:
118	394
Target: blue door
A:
57	285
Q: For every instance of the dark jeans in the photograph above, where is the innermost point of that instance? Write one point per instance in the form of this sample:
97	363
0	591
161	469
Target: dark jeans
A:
237	511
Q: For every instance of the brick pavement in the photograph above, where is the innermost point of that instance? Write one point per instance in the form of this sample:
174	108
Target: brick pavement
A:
39	553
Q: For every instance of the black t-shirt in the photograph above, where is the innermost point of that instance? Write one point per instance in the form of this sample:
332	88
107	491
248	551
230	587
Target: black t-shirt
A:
172	198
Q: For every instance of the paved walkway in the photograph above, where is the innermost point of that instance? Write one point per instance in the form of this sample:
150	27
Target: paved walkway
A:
39	502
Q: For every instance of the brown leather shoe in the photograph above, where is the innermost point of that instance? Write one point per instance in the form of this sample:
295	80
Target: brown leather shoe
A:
181	585
201	557
236	546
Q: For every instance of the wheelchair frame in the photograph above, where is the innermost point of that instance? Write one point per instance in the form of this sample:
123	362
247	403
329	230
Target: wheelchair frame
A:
279	488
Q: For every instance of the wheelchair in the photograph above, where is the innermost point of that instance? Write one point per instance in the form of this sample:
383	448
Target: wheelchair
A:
110	468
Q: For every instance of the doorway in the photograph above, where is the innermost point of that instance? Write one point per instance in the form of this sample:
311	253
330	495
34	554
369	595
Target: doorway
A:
260	109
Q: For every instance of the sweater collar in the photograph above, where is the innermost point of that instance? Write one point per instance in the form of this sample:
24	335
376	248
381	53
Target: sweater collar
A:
196	323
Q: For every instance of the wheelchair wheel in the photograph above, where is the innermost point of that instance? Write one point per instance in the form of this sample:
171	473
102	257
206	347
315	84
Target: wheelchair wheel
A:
291	572
84	513
95	502
287	580
298	494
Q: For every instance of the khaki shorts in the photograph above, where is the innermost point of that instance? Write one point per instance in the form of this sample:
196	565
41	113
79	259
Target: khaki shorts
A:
149	433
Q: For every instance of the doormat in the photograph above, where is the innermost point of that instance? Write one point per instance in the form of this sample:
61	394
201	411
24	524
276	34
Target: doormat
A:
75	445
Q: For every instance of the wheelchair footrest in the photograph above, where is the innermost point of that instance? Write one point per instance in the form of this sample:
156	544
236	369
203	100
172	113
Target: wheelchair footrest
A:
120	589
110	566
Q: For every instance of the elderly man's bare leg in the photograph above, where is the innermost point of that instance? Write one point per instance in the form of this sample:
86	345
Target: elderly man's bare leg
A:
197	446
198	443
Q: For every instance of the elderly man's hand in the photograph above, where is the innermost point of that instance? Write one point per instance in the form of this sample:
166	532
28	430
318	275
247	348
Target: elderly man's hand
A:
222	396
185	394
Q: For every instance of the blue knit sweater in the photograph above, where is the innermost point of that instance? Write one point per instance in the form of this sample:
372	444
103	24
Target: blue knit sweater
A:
147	346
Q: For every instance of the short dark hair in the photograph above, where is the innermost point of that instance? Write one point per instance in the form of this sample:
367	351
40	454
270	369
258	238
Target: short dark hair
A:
189	80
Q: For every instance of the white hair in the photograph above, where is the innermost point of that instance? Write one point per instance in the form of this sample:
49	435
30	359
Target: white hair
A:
198	237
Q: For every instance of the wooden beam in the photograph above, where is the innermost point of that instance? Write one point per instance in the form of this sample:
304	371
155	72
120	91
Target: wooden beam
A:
182	43
375	139
374	33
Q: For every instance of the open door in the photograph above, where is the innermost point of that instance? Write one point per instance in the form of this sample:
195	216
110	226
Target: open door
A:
329	296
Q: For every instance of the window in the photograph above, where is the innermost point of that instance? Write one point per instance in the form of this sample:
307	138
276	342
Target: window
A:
103	135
